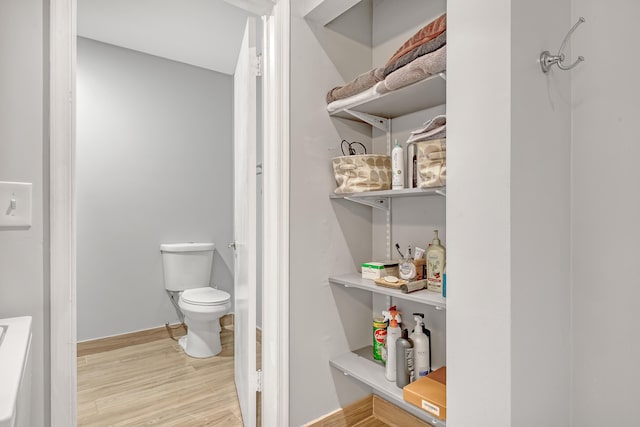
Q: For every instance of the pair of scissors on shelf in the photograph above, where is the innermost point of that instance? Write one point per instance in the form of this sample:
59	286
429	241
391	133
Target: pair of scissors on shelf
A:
352	148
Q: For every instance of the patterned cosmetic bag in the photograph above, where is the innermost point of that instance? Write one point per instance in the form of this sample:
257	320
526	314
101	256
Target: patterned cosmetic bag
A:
432	163
365	172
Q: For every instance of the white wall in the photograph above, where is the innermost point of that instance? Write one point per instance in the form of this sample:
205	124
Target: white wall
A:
605	211
24	285
154	165
478	213
540	217
326	237
508	215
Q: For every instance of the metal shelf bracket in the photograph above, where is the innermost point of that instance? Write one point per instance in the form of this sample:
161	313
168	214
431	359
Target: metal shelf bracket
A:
374	202
375	121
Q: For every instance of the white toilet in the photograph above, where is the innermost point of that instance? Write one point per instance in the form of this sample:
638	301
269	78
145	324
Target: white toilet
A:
187	269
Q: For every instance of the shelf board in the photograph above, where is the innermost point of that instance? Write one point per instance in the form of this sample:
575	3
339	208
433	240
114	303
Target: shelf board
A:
355	280
405	192
361	366
418	96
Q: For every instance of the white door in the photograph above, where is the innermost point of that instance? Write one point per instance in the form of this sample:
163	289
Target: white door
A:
244	224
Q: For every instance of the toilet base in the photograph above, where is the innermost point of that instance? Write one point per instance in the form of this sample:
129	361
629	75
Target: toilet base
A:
202	339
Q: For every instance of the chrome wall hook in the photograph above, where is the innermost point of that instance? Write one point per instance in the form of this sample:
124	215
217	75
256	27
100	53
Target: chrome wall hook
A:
547	59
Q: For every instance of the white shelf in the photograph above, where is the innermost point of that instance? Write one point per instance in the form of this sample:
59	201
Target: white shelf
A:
405	192
421	95
361	366
380	199
355	280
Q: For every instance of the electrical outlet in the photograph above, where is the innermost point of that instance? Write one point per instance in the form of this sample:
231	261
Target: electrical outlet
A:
15	204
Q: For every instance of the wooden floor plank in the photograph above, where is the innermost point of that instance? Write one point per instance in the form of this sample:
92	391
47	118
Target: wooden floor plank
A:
156	383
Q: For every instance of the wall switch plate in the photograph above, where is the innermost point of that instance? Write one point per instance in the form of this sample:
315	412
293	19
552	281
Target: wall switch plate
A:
15	205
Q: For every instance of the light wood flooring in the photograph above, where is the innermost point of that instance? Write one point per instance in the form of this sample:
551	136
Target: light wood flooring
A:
155	383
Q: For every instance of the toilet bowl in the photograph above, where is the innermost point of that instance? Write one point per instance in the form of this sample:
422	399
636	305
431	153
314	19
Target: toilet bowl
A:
202	309
187	271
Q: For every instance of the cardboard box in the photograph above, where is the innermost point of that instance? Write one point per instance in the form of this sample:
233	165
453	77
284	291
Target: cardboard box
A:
429	393
377	270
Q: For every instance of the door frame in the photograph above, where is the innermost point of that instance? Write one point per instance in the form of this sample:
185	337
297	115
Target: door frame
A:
62	215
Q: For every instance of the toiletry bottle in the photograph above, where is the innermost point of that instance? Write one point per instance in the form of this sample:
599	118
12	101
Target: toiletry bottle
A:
404	359
444	283
393	333
427	332
379	334
397	167
421	360
436	259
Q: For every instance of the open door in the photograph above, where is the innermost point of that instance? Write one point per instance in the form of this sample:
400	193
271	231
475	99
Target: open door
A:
244	226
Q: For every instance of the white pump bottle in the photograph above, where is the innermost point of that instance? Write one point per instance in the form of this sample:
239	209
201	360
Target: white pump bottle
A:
421	357
397	167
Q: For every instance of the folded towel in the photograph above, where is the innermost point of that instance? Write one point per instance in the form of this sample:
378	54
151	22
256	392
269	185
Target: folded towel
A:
355	99
430	31
417	70
439	133
428	47
381	88
362	82
435	122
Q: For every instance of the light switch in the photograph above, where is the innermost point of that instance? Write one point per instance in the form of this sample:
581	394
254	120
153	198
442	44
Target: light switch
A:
15	204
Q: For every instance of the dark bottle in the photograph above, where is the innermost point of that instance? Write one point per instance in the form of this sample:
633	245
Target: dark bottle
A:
404	359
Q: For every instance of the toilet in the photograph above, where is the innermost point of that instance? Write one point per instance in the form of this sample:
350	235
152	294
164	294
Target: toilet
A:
187	269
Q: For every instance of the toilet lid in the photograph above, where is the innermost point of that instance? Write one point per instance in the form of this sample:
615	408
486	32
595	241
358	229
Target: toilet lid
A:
205	296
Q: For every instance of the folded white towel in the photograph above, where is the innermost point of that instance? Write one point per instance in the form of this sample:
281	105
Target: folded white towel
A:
437	133
435	122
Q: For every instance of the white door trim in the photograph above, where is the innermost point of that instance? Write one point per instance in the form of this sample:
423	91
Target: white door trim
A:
63	217
62	213
275	247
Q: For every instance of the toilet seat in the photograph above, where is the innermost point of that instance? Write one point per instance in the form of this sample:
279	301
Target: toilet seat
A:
206	296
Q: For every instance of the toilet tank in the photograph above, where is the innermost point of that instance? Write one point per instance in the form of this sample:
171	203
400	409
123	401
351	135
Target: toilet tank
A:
187	265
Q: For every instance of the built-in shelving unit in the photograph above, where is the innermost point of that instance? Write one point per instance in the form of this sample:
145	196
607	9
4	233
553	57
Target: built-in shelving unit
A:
355	280
379	111
361	366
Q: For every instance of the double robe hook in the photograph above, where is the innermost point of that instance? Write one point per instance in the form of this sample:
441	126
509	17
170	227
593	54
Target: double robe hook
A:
547	60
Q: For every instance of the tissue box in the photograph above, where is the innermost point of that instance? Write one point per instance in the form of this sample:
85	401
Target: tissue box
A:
378	270
429	393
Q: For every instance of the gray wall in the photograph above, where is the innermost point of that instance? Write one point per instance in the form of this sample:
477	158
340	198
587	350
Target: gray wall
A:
24	287
540	217
326	237
605	212
154	165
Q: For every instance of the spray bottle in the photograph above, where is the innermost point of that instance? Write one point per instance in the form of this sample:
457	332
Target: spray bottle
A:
421	357
393	333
